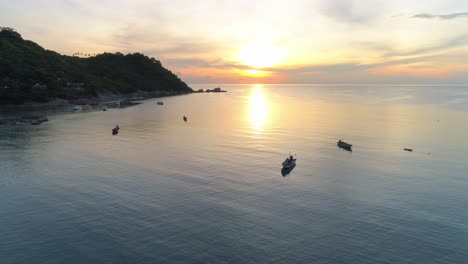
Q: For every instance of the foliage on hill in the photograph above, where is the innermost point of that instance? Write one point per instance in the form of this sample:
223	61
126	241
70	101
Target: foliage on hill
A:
28	72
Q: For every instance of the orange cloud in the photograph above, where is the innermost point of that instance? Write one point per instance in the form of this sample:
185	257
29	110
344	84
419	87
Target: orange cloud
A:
412	70
230	76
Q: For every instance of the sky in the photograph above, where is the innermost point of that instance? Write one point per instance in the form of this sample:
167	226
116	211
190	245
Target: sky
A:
248	41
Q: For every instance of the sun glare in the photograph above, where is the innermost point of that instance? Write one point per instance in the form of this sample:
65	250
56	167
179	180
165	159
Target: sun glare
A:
258	110
261	55
256	73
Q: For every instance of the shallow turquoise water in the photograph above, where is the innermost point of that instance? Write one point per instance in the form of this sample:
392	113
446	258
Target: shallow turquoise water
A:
211	191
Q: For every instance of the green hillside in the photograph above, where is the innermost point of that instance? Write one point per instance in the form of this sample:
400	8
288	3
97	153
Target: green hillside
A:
30	73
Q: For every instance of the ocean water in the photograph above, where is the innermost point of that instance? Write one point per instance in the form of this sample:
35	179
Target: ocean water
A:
211	190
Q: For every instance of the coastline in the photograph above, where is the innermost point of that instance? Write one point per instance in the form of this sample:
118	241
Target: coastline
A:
100	99
35	113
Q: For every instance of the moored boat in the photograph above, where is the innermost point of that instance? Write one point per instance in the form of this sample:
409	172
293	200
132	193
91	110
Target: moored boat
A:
287	171
289	163
160	103
77	108
344	145
115	130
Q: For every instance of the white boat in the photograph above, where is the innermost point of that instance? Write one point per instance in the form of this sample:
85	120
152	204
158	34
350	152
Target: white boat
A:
104	108
160	103
289	163
77	108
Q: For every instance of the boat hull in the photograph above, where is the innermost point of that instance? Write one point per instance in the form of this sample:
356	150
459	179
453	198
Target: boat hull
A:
344	145
286	171
288	164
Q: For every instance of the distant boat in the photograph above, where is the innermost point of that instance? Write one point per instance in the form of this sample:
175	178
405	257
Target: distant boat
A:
408	149
185	118
77	108
104	108
160	103
115	130
289	163
344	145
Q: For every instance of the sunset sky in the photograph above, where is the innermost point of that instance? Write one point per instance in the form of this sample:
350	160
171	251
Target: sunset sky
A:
247	41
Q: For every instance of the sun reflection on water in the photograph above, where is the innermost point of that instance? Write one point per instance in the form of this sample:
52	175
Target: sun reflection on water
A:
258	109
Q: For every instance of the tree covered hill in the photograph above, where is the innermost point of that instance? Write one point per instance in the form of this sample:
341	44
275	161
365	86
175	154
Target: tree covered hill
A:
30	73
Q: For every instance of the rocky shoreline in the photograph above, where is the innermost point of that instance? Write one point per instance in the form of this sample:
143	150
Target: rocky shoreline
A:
33	120
82	104
99	99
85	104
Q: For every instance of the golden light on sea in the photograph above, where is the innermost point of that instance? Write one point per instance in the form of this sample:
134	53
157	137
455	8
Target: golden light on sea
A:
258	109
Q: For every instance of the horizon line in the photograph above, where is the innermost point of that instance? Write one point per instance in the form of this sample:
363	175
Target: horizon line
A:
332	84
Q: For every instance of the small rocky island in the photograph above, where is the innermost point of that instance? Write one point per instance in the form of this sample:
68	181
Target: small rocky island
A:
30	74
214	90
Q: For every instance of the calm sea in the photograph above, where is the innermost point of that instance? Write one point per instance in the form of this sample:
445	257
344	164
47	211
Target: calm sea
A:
211	190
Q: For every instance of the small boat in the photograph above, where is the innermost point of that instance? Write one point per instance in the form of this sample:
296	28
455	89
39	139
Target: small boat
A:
344	145
286	171
289	163
77	108
115	130
104	108
185	118
408	149
160	103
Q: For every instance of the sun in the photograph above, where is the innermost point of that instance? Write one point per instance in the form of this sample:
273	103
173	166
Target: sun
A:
261	55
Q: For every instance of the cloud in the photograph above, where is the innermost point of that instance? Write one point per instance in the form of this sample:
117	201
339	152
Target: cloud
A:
205	64
351	72
441	17
160	44
450	43
339	67
358	68
78	8
188	63
350	11
372	45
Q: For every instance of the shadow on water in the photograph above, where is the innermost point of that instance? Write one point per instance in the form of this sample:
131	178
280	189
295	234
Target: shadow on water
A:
286	171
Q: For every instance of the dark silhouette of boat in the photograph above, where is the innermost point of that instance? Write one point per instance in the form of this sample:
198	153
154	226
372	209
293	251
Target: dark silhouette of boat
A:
115	130
289	162
343	145
286	171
